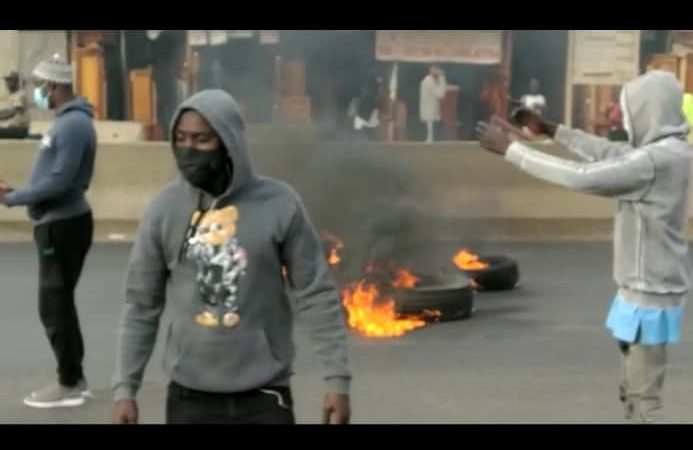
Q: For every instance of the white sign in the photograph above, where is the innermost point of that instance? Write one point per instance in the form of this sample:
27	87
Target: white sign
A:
456	46
241	34
269	36
197	37
218	37
605	57
215	37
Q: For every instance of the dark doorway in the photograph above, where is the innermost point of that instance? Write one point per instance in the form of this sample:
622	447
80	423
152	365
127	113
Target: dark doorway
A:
541	54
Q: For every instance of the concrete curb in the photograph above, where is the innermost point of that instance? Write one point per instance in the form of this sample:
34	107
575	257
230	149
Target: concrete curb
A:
506	230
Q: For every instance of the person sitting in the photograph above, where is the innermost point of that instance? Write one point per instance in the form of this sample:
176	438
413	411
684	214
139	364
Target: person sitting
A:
364	110
534	101
14	117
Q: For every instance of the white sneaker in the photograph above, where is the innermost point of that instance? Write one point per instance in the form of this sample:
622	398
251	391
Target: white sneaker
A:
55	396
83	387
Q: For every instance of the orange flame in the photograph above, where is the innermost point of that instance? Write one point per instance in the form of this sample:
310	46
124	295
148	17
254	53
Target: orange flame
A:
372	316
405	279
335	246
466	260
334	258
368	313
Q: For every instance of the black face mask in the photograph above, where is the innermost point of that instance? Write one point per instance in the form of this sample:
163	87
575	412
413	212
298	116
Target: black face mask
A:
206	170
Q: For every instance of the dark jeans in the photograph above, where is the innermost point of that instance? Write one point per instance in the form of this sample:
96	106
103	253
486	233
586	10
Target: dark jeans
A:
365	134
272	405
62	248
166	96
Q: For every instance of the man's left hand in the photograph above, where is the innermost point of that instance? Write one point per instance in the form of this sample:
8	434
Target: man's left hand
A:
493	138
4	190
336	409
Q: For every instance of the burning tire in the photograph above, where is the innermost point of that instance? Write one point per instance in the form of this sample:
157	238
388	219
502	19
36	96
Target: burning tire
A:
502	274
443	300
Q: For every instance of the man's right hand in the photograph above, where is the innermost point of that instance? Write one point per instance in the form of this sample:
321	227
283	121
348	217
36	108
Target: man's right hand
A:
514	132
525	117
125	412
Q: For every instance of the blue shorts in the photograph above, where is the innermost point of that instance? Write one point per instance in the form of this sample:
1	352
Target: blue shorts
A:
656	325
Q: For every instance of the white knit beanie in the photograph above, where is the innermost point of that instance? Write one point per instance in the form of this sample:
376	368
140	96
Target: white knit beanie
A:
55	70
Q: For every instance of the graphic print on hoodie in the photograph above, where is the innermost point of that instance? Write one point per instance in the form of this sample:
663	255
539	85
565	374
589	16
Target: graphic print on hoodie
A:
220	260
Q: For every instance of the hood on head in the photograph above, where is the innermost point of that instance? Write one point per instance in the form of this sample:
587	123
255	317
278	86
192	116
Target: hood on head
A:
652	108
224	116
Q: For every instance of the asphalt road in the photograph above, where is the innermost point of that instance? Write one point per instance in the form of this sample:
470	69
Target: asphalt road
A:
538	354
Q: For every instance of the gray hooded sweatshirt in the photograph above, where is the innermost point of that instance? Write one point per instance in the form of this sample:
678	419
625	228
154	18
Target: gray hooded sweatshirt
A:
647	176
230	265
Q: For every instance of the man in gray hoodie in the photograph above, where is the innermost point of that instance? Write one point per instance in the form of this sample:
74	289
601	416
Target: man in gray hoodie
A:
219	248
648	177
56	203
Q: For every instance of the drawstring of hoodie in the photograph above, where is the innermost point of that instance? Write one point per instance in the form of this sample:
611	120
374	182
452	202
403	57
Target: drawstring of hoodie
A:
192	227
191	230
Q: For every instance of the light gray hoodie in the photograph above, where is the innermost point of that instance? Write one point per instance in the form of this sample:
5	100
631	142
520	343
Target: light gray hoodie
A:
647	176
240	246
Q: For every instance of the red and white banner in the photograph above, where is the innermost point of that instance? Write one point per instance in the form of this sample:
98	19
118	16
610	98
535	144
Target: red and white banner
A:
455	46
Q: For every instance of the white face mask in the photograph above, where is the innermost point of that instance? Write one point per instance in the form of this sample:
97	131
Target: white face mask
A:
40	99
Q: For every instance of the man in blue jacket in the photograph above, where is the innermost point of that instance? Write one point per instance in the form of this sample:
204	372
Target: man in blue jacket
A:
63	224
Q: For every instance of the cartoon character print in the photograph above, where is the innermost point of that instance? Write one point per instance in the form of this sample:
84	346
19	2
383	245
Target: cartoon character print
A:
221	261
